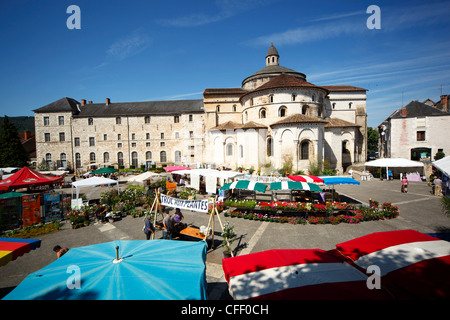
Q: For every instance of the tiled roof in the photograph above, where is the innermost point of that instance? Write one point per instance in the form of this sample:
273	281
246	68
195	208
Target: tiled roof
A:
343	88
298	118
62	105
224	91
124	108
285	81
418	109
231	125
339	123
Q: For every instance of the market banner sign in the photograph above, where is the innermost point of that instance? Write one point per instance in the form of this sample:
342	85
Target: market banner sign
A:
194	205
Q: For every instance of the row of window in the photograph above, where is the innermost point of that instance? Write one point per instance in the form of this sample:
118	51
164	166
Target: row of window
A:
62	137
303	149
176	119
62	161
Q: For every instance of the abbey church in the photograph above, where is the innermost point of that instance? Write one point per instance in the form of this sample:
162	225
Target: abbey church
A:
276	115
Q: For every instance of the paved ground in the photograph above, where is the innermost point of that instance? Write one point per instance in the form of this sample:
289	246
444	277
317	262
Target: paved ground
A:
419	210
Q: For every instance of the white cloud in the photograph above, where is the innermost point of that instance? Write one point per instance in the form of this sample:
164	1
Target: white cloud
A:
126	47
226	9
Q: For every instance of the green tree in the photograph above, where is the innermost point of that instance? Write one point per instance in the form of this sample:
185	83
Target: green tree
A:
12	153
372	140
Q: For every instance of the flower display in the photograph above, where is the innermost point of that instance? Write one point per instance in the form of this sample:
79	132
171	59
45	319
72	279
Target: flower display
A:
303	213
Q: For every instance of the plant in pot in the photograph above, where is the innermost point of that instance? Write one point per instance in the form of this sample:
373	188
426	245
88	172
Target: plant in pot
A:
228	238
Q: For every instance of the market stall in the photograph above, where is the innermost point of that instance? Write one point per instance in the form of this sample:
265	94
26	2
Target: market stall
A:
398	166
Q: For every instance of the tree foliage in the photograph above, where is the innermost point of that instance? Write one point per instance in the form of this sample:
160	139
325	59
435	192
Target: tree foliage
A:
372	140
12	153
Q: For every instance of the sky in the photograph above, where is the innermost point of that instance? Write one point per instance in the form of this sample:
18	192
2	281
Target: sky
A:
168	50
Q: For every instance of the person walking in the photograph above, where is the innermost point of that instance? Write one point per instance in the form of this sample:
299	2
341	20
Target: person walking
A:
404	184
437	186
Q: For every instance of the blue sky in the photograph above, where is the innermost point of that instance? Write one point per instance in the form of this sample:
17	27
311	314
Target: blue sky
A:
161	50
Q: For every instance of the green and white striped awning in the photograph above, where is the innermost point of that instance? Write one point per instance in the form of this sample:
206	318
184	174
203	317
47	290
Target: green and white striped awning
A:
245	185
294	185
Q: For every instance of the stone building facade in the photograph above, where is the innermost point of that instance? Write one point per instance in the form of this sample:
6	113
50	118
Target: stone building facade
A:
417	131
274	115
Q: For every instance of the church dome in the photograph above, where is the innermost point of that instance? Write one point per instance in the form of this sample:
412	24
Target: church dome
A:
272	70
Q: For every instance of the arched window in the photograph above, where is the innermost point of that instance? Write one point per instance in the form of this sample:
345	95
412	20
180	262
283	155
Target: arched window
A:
162	156
241	151
293	97
269	146
77	160
262	113
218	108
48	159
134	159
177	156
120	159
62	161
148	155
282	111
229	149
350	105
92	157
234	108
313	97
106	157
304	150
305	109
271	98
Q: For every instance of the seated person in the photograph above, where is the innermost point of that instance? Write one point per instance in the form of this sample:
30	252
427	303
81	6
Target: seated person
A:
177	220
100	213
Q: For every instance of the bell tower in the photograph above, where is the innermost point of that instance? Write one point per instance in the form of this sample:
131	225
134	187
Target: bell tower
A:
272	56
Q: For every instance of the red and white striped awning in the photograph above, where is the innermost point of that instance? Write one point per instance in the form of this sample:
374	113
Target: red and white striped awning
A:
296	275
412	264
306	178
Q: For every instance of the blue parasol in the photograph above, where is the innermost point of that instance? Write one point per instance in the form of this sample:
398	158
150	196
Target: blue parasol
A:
136	270
338	180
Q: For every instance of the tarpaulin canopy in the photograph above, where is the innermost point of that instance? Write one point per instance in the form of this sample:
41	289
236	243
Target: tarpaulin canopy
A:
328	180
140	178
294	185
443	165
104	171
27	177
306	178
393	163
413	265
295	274
175	168
12	195
245	185
93	182
144	270
12	248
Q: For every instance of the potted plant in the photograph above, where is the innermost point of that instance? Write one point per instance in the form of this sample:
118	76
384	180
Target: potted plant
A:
228	235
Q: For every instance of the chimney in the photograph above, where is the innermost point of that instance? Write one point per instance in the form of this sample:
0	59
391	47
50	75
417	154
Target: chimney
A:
444	102
83	102
108	101
404	112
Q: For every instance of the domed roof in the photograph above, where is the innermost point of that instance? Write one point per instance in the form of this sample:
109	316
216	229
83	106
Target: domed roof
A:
272	69
284	81
272	51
